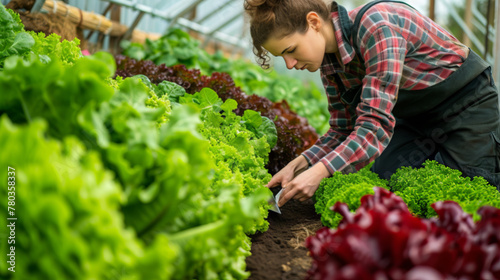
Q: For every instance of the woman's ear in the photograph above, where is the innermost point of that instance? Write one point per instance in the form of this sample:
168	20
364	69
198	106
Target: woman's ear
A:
314	21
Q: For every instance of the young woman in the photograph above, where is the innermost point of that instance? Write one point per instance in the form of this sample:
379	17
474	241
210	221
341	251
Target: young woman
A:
401	90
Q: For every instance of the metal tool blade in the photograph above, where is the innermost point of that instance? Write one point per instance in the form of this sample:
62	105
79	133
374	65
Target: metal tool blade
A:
274	202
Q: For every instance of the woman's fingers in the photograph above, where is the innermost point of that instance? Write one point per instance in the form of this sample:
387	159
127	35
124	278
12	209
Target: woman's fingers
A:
302	198
281	178
275	181
303	186
302	195
286	195
292	193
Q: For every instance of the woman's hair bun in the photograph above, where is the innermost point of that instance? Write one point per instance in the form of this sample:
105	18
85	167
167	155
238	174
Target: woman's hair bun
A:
258	3
261	7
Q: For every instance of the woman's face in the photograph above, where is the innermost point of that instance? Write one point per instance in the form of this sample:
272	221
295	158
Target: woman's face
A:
300	51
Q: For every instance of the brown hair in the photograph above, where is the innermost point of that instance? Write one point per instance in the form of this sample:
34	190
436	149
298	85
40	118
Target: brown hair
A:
279	18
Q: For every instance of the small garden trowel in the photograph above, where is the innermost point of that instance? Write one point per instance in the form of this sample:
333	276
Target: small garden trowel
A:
274	202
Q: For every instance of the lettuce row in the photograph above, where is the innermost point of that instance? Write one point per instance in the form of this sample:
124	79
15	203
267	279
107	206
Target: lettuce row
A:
173	191
68	206
307	100
239	145
178	47
294	133
418	187
384	240
205	217
14	40
164	169
345	188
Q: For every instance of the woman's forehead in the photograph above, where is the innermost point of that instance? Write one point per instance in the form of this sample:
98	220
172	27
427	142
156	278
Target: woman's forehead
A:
278	46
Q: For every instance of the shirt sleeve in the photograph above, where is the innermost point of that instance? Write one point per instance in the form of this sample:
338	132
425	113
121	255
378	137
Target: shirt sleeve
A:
341	125
383	51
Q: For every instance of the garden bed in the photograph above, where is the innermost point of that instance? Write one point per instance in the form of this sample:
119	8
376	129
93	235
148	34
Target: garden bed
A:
279	253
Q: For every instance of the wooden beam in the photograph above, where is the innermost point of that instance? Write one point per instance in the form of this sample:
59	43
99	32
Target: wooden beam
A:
97	22
432	6
114	42
468	21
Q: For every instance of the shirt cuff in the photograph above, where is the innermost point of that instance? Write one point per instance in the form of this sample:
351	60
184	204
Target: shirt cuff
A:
328	165
310	157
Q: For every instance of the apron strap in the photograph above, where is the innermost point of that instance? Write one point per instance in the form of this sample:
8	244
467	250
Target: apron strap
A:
350	30
411	103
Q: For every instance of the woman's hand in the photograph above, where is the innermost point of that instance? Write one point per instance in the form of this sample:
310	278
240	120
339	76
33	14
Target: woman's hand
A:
292	169
304	185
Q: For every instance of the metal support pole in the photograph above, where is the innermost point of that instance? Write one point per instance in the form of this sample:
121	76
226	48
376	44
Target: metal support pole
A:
182	13
496	54
244	30
224	24
207	16
139	7
128	34
231	40
464	27
37	6
486	39
480	21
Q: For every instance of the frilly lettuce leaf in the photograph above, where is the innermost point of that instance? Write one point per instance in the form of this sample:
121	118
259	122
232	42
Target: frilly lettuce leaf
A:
346	188
420	187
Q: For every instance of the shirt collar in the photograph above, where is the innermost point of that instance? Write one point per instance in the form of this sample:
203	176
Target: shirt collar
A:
330	64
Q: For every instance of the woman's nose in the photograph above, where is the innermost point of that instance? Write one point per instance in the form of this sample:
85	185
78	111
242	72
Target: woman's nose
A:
290	62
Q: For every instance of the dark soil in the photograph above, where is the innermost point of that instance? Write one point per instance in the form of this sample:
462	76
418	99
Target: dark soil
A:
279	253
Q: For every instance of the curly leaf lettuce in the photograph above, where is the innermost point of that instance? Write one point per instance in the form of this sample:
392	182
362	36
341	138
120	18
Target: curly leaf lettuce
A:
239	152
420	187
49	47
345	188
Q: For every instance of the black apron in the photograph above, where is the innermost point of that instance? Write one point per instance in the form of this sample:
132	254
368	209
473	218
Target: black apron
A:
464	102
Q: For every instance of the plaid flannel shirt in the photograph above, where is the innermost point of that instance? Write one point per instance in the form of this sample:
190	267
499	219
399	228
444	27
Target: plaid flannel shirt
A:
401	49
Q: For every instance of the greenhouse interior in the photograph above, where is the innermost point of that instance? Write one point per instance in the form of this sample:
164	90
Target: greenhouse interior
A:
250	139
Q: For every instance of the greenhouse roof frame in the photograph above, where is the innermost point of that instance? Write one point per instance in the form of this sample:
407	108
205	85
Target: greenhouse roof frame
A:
207	25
